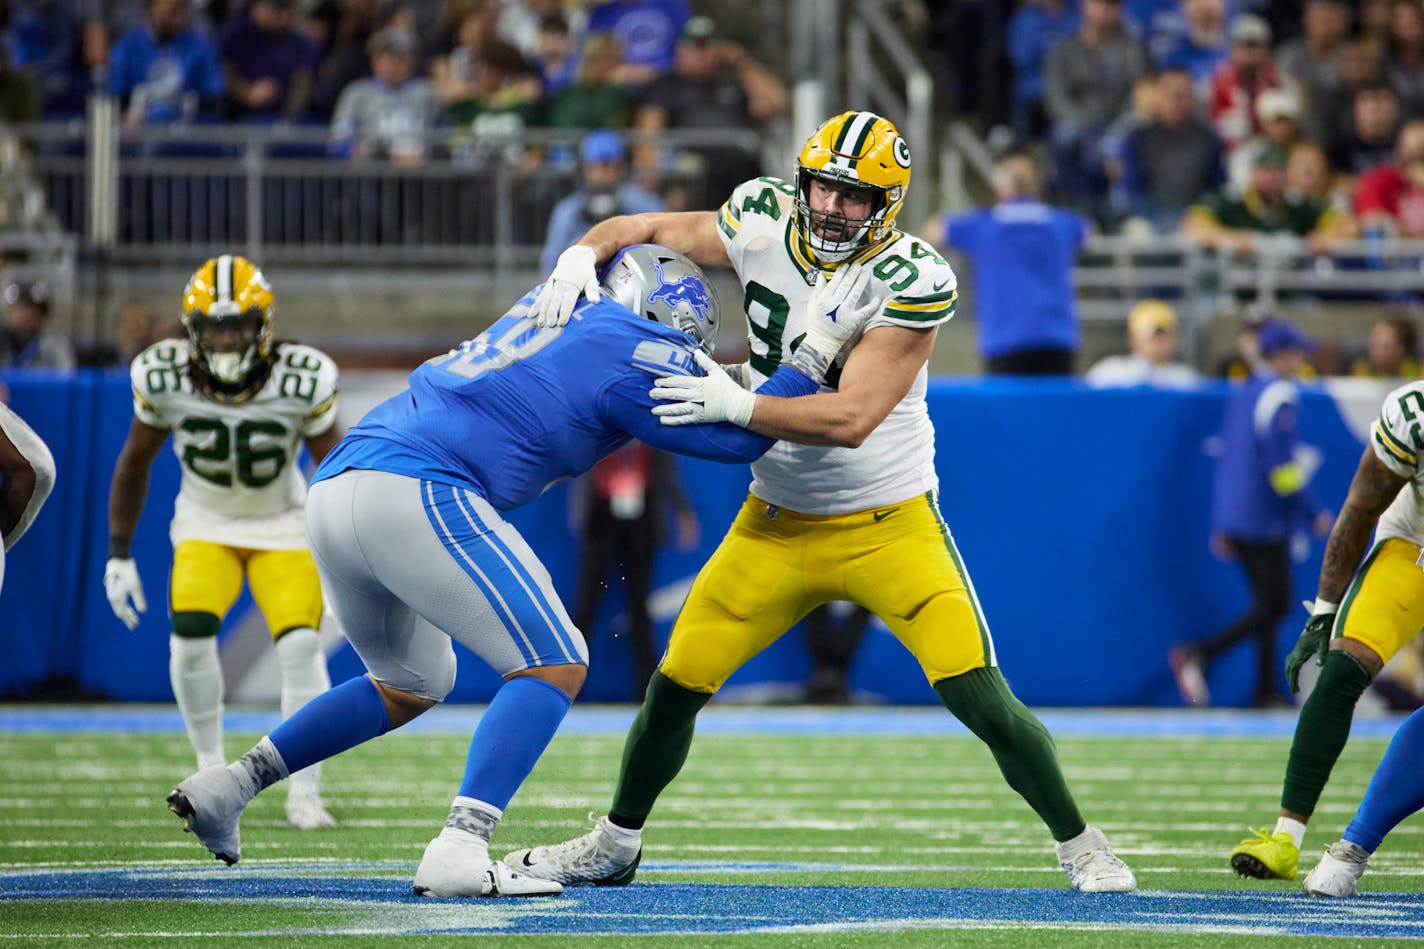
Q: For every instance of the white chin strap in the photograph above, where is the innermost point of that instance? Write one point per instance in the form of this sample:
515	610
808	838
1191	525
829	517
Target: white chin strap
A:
228	367
835	251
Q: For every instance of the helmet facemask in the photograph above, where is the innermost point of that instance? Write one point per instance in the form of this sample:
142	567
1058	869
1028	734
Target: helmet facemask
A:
835	237
232	349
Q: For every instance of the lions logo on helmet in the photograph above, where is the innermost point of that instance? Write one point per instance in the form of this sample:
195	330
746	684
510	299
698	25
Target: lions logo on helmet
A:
862	150
227	313
664	285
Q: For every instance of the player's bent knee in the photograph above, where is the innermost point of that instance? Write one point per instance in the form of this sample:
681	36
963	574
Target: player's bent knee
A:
402	706
680	676
569	677
196	624
1372	661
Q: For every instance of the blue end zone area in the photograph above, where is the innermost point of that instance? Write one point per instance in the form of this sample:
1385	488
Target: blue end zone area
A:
386	906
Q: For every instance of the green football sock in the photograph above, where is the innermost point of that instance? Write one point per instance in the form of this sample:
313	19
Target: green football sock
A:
656	748
1322	730
981	699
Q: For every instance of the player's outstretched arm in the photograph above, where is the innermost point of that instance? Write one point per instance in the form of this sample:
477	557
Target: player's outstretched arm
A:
127	494
27	469
878	374
575	274
1373	489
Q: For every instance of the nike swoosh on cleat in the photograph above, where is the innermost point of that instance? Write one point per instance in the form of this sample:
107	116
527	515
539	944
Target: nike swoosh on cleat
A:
526	861
940	286
881	515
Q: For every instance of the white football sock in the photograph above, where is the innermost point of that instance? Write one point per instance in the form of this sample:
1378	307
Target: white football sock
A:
1293	827
196	677
624	834
304	677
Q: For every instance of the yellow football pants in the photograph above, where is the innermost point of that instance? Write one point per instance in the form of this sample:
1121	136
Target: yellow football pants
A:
1384	606
207	578
775	566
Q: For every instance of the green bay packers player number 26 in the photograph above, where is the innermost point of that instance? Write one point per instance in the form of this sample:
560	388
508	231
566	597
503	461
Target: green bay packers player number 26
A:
238	403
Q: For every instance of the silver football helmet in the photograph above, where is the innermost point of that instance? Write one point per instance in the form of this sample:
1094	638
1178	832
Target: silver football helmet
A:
664	285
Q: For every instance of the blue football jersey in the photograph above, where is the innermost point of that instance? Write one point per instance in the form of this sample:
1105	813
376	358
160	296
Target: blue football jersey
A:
519	408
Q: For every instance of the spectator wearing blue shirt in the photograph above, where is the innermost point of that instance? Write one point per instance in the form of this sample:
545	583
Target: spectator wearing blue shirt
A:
268	66
1034	29
1201	45
604	194
1260	492
648	30
1022	251
42	39
164	71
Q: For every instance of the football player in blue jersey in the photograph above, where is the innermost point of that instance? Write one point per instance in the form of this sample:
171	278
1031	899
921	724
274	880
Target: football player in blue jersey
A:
404	520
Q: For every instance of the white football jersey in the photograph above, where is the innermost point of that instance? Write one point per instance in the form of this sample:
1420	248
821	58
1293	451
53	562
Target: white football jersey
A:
777	271
1398	442
241	483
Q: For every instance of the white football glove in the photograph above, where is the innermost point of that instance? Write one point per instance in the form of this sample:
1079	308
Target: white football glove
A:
575	273
715	397
121	585
837	310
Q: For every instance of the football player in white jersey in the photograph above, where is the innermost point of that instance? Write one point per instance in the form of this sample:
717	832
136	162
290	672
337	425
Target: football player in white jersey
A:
1363	614
844	507
238	404
26	478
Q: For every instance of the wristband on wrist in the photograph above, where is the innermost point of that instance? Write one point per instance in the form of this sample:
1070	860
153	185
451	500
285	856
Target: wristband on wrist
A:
810	361
1323	606
119	548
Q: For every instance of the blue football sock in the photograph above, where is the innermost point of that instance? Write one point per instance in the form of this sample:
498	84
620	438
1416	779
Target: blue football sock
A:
1396	790
334	721
512	734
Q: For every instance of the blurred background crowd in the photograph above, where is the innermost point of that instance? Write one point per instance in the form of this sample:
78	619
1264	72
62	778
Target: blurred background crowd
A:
1235	159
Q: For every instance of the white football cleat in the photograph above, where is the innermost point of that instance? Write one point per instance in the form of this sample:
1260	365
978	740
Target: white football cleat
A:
1338	871
1091	865
210	804
598	858
305	811
458	864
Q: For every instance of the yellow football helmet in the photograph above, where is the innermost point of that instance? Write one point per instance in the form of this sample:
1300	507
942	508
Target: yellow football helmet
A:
863	150
227	312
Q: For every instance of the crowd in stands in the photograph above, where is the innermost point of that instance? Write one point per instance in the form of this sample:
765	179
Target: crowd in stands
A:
385	75
1226	119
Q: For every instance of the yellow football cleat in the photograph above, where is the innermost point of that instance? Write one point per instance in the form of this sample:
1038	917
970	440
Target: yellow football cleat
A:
1266	856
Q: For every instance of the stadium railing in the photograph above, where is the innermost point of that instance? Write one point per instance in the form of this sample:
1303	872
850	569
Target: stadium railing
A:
173	192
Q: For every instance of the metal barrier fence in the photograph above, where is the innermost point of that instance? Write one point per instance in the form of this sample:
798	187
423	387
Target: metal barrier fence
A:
173	193
1113	273
1112	270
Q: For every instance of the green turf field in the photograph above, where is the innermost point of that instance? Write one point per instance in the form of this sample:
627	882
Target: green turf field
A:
788	840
